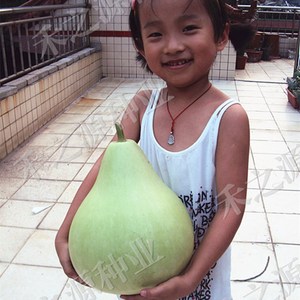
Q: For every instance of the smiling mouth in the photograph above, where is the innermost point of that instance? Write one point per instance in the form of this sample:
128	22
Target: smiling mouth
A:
177	63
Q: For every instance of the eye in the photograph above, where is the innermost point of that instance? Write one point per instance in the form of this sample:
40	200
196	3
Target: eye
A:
154	35
190	28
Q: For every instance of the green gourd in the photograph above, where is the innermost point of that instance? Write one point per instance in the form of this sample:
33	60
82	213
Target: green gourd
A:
131	231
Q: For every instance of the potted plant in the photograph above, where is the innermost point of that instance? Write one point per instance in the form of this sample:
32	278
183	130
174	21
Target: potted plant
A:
293	89
254	50
241	59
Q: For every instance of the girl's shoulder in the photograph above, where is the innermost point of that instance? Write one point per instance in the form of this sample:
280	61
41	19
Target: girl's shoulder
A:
132	117
141	100
235	122
235	113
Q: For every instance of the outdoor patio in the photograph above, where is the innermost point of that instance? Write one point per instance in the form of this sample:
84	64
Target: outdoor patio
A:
39	179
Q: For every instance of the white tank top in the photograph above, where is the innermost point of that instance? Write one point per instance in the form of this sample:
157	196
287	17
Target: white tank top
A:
190	173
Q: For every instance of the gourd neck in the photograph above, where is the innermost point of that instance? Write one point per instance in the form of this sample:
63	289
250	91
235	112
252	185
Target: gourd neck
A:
120	133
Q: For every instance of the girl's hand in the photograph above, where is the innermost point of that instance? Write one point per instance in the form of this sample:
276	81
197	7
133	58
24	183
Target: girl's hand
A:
172	289
62	250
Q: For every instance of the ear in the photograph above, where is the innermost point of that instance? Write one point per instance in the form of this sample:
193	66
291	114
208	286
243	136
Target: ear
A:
223	40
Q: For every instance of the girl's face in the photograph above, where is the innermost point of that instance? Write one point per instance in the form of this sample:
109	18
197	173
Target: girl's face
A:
178	39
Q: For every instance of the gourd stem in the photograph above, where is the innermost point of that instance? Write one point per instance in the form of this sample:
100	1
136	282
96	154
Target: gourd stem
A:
120	132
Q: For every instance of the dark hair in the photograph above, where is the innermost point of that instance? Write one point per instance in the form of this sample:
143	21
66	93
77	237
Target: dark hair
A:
215	9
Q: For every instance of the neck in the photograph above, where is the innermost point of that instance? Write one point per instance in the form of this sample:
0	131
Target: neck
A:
188	93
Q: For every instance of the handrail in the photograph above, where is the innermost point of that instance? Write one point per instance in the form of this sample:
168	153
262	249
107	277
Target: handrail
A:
279	19
33	42
272	7
17	10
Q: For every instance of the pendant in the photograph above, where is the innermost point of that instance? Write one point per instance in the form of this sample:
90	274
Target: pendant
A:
171	139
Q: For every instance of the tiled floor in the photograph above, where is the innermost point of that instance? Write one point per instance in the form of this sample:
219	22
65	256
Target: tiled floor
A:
38	181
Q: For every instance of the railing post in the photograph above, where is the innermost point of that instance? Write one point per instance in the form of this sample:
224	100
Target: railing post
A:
297	60
45	39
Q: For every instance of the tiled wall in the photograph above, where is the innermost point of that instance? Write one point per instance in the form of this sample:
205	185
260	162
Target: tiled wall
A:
30	102
287	46
109	21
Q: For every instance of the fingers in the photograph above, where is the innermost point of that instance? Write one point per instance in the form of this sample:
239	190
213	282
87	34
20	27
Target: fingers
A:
132	297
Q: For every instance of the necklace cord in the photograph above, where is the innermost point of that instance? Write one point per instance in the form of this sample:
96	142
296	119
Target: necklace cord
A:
174	119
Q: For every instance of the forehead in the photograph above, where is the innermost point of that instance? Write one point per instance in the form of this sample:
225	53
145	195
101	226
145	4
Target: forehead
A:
161	8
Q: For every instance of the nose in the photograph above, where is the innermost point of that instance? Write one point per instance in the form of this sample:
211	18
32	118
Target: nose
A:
173	44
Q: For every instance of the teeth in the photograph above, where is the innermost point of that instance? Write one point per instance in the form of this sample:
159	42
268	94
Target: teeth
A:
177	63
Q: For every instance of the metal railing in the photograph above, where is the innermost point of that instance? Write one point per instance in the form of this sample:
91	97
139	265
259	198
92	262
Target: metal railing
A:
283	20
30	43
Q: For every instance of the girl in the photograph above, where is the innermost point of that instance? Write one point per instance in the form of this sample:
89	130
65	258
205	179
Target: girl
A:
195	136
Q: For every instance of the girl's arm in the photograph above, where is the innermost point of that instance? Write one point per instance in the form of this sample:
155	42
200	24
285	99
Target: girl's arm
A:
232	157
231	178
131	126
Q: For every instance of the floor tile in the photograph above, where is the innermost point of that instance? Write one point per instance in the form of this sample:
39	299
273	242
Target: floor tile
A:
31	282
110	82
21	169
285	180
81	292
99	92
269	147
19	213
251	162
94	126
48	140
83	172
8	186
25	156
58	129
133	89
95	155
292	291
14	239
288	257
286	108
275	162
58	171
254	201
266	135
69	193
297	160
250	102
87	140
253	179
260	115
285	202
254	228
3	267
106	140
281	224
288	125
293	116
291	136
263	125
257	107
67	154
257	260
39	250
294	148
256	93
55	217
2	202
79	109
256	291
119	99
83	101
69	119
41	190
